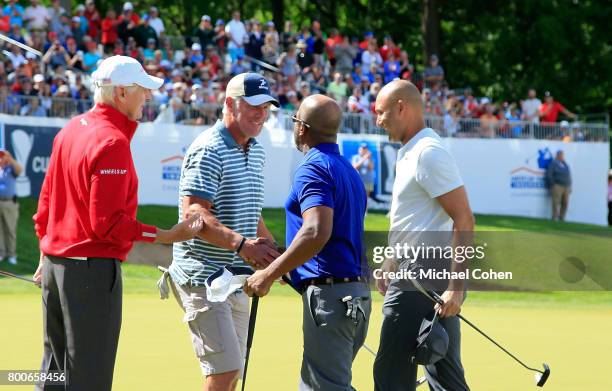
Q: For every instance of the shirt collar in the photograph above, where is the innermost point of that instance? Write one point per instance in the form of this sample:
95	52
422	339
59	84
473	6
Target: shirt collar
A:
228	138
325	148
117	118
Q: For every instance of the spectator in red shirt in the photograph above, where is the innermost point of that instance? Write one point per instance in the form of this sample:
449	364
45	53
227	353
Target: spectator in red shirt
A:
109	30
93	19
5	22
388	48
86	224
549	111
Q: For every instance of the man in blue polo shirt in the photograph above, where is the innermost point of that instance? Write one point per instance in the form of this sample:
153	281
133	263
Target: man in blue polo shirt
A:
325	212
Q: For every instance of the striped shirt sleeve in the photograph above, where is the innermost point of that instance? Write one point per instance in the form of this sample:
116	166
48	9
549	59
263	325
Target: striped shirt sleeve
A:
202	174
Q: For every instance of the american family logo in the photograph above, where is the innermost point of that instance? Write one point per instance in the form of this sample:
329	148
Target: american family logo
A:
113	171
531	175
171	167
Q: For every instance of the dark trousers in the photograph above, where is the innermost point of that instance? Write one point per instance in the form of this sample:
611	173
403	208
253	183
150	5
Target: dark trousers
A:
403	312
81	321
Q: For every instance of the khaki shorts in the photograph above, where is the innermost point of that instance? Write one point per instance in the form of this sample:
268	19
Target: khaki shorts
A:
218	330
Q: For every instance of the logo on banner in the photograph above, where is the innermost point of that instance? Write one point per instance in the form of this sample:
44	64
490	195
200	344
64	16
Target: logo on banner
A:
532	174
22	145
171	168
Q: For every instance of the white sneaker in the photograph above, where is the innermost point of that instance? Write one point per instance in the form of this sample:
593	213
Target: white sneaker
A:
12	260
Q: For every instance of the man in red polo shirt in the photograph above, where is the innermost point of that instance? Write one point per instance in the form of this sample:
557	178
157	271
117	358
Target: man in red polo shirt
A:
86	224
549	111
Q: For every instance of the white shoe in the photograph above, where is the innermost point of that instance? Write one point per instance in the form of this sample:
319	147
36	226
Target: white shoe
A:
12	260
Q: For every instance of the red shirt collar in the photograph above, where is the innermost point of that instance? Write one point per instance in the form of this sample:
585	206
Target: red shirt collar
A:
117	118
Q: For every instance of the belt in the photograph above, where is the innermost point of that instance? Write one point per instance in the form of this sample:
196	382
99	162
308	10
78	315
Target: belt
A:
328	281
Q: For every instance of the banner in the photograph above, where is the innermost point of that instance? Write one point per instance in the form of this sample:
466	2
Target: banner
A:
502	176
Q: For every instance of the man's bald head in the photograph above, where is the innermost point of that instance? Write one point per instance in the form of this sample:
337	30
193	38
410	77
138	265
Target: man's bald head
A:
401	90
399	110
323	115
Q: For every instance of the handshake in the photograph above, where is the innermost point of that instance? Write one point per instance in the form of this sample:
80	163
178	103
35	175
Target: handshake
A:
259	253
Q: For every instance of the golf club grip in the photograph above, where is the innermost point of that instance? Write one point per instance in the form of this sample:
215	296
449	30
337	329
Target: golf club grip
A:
252	319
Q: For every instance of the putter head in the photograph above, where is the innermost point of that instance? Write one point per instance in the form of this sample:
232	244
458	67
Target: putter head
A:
541	378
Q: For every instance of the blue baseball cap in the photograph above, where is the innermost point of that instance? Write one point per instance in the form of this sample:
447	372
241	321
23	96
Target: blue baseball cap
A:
252	87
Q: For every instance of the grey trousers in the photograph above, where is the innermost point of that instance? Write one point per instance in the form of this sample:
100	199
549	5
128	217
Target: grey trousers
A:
403	312
331	339
9	214
81	303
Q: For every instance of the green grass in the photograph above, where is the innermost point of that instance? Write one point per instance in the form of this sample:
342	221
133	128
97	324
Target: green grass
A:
566	329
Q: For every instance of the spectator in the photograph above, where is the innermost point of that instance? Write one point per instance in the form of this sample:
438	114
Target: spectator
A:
371	57
109	30
270	49
196	59
56	55
143	32
550	109
559	180
128	21
330	46
149	51
77	32
220	39
318	80
16	13
16	56
318	41
357	103
5	22
91	58
531	107
254	45
337	89
55	12
364	164
513	117
344	53
392	68
205	32
434	73
406	69
16	33
75	54
368	38
388	48
237	36
287	36
80	12
32	108
238	67
488	121
272	34
289	65
93	19
304	58
10	169
157	23
37	16
293	103
610	198
65	29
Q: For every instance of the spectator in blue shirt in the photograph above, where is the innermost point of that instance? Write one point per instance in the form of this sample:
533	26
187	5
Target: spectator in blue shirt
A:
10	169
392	68
325	256
15	11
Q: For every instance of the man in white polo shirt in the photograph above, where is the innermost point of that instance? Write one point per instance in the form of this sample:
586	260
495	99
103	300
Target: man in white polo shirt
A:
429	205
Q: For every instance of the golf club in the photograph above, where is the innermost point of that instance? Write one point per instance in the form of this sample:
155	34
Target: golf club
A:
20	45
7	274
251	332
540	377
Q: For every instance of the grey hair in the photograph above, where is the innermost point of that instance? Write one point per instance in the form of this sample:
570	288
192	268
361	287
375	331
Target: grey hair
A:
236	100
106	94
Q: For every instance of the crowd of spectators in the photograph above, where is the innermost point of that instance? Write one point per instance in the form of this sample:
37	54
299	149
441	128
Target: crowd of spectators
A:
196	67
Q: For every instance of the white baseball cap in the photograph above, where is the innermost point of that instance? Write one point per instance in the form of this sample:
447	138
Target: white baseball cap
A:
127	6
124	71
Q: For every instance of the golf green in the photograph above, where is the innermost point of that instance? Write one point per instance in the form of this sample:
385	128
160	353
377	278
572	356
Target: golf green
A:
155	351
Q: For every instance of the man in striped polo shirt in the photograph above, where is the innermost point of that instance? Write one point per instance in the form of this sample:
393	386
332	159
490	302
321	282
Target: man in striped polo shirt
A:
222	180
